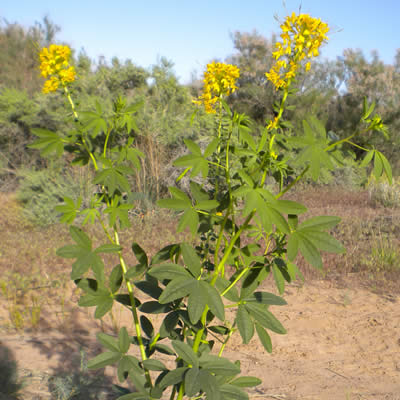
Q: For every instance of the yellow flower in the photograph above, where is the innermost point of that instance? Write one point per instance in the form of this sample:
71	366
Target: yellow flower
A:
54	64
219	80
301	37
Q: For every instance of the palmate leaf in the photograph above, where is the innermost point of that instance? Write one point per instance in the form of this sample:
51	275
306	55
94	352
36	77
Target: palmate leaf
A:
214	300
114	178
49	143
69	210
310	238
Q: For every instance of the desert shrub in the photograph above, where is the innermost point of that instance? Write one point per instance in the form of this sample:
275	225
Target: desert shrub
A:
381	192
41	191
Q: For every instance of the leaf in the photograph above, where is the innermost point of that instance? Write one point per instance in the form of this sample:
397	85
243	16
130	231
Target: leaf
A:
279	279
231	392
116	278
323	241
265	298
265	318
80	237
126	364
176	289
124	340
196	302
168	271
209	384
246	381
264	337
192	383
245	324
323	222
185	352
309	251
367	159
104	305
104	359
109	342
290	207
108	248
218	365
189	219
191	259
173	377
214	300
154	365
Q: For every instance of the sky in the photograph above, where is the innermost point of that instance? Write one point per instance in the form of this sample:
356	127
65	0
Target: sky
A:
193	33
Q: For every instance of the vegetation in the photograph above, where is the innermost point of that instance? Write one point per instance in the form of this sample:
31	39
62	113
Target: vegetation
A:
164	131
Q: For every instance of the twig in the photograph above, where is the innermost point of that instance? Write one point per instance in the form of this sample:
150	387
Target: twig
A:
337	373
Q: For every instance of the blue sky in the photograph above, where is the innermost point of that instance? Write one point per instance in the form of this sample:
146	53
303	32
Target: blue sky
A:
192	33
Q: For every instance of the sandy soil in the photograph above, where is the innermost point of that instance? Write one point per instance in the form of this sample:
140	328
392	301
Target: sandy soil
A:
342	343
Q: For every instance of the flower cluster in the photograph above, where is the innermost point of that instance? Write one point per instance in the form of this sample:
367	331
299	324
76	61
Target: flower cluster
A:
301	37
55	66
219	80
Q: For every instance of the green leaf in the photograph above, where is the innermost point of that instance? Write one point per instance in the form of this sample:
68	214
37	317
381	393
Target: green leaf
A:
264	337
323	241
218	365
116	278
108	248
126	364
309	251
193	147
212	146
279	279
168	271
265	298
192	383
104	305
109	342
154	365
232	295
189	219
124	340
265	318
386	166
104	359
290	207
80	237
185	352
323	222
173	377
231	392
246	381
196	302
209	384
245	324
191	259
207	205
48	142
367	159
214	300
176	289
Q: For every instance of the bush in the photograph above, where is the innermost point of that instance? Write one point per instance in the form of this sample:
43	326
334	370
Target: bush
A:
41	191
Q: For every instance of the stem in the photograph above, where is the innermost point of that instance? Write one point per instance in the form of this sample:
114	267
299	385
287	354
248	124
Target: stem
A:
71	102
226	341
133	308
292	183
106	142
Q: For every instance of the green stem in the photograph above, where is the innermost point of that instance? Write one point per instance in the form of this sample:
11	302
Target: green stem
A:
221	350
180	393
133	308
71	102
106	142
293	183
